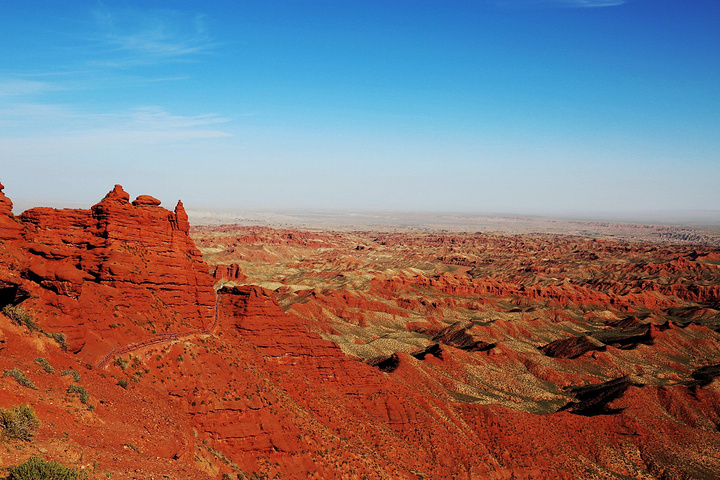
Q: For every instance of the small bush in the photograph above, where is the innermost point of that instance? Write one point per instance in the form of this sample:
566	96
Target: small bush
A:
60	338
84	397
133	447
20	378
19	316
121	363
19	422
75	375
123	383
45	364
35	468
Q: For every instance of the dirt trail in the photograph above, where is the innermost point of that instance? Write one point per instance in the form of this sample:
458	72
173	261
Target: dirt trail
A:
160	338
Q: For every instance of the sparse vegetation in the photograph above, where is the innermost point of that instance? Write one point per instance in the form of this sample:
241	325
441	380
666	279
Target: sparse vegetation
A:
18	422
75	375
45	364
35	468
120	362
84	397
19	316
133	447
20	378
60	338
226	460
123	383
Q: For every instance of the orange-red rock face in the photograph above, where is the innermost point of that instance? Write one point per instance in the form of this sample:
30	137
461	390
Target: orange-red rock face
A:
226	273
344	355
9	228
116	271
113	274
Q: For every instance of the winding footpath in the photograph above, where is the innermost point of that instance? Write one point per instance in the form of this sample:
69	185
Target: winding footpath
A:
161	338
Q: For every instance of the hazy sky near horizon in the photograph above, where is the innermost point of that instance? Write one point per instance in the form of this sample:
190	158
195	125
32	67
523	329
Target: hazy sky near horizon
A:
518	106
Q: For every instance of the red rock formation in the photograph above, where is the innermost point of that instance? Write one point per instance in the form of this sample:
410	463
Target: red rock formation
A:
230	273
146	200
9	227
114	272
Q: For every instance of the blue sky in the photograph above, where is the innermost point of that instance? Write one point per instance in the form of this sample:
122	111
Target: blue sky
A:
516	106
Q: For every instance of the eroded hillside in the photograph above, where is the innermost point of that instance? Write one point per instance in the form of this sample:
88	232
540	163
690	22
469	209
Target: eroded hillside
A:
354	354
614	333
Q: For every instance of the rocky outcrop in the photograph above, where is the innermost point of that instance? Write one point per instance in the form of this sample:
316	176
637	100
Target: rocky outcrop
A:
146	200
228	273
119	271
572	347
256	315
458	336
9	228
595	399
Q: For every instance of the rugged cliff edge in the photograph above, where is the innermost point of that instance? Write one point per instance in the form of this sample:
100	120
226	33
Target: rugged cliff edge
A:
115	272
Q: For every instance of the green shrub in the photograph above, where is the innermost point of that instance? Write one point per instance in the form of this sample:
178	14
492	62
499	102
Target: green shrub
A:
45	364
75	375
35	468
20	378
19	422
60	338
123	383
120	362
19	316
84	397
133	447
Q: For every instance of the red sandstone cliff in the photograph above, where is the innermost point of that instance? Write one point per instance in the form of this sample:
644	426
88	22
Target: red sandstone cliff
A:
119	270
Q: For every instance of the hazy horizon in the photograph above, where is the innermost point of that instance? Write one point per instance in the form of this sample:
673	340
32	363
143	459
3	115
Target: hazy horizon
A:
524	107
200	214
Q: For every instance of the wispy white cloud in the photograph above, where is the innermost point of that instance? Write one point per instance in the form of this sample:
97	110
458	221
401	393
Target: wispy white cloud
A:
11	87
36	125
24	122
115	48
158	118
130	38
18	116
